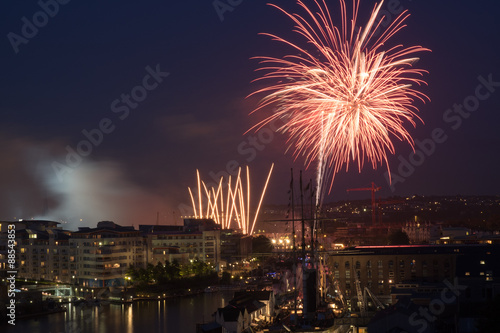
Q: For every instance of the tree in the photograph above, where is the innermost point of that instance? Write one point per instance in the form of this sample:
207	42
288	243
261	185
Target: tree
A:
398	237
196	268
159	273
172	270
133	273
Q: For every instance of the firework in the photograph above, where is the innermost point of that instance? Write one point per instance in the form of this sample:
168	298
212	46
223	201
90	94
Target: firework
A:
229	203
342	95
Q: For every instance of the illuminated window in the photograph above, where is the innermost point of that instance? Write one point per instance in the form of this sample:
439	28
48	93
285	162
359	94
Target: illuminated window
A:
482	262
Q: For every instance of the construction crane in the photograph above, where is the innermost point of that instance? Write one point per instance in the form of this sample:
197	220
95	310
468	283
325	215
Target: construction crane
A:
373	189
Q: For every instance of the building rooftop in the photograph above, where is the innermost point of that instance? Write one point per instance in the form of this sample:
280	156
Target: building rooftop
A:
419	249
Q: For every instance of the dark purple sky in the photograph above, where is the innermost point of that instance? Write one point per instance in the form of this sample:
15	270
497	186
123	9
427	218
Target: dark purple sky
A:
71	74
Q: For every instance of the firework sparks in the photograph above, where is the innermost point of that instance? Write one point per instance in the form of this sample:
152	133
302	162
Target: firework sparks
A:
343	96
229	203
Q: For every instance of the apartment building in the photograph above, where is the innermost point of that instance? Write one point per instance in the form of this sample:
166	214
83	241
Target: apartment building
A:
195	240
43	255
41	250
101	256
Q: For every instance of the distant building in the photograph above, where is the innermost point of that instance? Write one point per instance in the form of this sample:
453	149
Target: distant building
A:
101	256
357	234
234	245
196	240
421	232
455	232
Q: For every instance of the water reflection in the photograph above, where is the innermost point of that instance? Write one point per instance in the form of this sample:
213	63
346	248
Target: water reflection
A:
168	315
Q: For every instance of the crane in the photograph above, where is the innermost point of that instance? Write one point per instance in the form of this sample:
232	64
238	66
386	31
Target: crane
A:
373	189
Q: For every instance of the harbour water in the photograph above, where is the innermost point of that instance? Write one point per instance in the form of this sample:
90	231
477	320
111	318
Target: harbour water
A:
173	315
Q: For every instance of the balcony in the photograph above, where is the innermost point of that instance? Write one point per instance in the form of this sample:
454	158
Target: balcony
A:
103	259
104	251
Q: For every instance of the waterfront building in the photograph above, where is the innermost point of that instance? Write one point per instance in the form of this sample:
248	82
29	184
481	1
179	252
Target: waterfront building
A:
41	250
383	268
243	311
101	256
43	255
197	239
265	297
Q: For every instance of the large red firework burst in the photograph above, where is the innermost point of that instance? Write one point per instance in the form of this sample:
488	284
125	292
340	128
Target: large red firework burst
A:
342	93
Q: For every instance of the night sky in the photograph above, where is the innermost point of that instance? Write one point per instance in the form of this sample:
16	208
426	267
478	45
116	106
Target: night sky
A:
190	68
